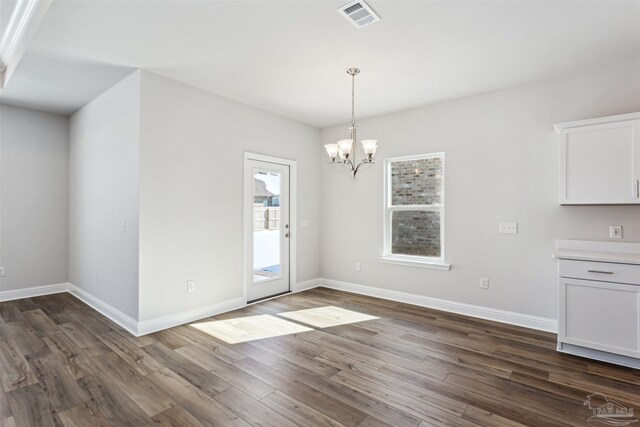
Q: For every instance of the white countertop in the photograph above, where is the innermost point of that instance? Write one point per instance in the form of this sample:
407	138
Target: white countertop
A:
587	250
585	255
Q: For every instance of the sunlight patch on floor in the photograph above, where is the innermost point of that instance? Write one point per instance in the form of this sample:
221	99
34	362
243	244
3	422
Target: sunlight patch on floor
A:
325	317
249	328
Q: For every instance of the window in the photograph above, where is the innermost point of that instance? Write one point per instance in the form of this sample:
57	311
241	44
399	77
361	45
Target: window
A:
414	210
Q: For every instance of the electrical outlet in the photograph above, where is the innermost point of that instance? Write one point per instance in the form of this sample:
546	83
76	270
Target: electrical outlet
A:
484	283
357	266
95	275
615	232
191	285
508	228
1	271
124	226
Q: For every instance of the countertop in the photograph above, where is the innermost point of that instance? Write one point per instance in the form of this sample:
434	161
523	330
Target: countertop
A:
599	256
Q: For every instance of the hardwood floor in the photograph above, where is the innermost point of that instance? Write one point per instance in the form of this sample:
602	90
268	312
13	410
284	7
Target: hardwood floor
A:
63	364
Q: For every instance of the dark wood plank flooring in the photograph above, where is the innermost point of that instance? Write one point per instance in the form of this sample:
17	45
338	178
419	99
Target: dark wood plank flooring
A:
63	364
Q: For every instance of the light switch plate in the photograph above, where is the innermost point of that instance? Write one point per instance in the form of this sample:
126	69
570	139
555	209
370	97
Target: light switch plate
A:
615	232
191	285
508	228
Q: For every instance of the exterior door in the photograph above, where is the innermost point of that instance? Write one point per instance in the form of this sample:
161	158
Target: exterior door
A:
268	192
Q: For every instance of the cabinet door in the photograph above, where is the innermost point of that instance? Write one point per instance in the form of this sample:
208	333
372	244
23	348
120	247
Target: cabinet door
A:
600	163
601	316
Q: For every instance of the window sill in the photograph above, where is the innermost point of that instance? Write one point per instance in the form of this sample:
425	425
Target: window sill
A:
415	263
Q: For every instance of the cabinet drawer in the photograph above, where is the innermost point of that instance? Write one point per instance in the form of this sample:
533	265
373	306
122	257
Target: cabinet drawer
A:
602	271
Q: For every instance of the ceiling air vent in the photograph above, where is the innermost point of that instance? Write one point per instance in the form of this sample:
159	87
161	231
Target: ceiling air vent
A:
359	13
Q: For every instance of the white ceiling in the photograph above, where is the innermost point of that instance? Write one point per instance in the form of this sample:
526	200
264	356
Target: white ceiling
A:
59	85
6	8
290	57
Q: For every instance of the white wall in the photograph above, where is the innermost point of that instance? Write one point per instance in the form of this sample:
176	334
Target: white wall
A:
501	165
104	163
34	152
191	185
167	156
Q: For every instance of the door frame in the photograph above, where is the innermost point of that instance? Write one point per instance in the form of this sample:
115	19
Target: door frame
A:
248	217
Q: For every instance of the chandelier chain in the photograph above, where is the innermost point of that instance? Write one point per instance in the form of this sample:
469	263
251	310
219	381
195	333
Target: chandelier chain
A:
353	101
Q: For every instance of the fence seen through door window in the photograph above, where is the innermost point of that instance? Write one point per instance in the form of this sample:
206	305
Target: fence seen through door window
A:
266	218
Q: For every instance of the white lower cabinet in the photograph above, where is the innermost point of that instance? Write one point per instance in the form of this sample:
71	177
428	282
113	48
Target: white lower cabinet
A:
600	317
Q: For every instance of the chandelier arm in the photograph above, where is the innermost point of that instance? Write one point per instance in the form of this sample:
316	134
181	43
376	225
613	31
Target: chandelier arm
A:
355	171
364	162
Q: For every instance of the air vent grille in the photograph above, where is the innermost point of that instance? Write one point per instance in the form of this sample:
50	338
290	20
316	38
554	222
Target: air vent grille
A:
359	13
349	10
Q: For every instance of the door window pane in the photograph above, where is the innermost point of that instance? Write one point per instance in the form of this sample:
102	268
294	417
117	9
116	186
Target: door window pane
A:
266	226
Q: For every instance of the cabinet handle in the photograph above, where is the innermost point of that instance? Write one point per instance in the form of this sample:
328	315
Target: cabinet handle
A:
638	188
600	271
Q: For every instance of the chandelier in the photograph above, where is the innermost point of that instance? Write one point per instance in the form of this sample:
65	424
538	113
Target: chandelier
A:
347	149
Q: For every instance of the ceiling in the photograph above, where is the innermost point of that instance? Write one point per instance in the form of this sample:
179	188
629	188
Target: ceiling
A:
6	8
290	57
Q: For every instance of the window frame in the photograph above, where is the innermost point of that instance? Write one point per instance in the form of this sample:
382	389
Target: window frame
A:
412	260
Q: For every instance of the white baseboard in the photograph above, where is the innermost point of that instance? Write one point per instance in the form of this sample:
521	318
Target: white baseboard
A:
100	306
165	322
153	325
127	322
307	284
509	317
36	291
124	320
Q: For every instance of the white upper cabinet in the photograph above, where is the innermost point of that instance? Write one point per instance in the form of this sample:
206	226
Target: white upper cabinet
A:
600	161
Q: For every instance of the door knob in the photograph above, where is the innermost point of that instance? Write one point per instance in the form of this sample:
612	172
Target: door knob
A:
287	235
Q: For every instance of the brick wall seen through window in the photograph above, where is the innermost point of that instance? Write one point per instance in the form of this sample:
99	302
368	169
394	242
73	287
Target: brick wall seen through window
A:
415	206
